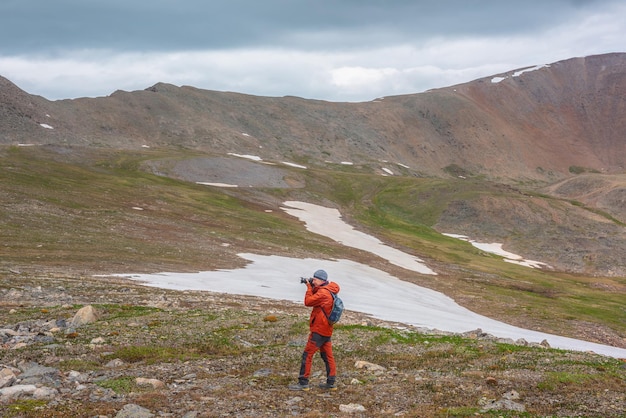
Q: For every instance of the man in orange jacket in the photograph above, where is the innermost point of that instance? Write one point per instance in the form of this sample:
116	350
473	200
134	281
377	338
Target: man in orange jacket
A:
318	295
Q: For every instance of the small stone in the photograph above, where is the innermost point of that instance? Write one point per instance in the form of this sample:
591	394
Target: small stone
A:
155	383
511	395
114	363
262	373
351	408
7	377
16	392
18	346
134	411
45	393
360	364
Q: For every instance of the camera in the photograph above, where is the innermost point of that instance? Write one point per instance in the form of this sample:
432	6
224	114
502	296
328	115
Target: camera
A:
304	280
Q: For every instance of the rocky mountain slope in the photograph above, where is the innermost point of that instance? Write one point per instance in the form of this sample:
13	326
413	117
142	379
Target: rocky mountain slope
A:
145	352
535	123
532	159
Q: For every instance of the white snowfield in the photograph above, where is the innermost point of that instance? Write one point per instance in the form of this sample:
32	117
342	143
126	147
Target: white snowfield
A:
363	288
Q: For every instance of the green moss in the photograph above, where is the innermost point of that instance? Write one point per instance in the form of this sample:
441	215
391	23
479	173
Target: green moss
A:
22	407
122	385
554	380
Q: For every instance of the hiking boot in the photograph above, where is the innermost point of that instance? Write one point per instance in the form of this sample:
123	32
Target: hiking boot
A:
300	386
328	386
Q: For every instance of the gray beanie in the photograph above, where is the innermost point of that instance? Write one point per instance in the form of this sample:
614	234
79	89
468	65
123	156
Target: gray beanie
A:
321	274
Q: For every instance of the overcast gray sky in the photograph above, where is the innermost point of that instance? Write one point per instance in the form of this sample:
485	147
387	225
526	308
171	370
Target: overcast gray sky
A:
338	50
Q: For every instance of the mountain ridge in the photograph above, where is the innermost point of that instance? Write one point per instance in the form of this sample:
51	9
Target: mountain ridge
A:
536	125
110	184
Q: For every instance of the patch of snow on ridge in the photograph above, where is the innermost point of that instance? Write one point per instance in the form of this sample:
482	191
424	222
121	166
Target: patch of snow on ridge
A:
249	157
45	125
294	165
496	248
388	171
216	184
519	73
538	67
327	222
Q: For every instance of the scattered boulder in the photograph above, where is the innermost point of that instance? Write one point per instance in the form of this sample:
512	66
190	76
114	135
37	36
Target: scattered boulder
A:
7	377
85	315
361	364
134	411
351	408
114	363
155	383
36	374
12	393
506	403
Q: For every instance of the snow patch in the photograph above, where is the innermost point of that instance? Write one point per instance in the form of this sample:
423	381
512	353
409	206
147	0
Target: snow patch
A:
364	288
45	125
519	73
538	67
216	184
294	165
327	222
249	157
496	248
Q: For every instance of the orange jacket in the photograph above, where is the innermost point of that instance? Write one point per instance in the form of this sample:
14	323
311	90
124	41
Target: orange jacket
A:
320	298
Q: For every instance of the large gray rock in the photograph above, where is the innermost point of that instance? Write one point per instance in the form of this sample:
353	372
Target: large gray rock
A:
26	391
134	411
85	315
37	374
7	377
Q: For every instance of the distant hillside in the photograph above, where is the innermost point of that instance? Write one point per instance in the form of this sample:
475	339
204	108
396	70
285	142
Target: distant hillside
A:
534	123
532	159
555	131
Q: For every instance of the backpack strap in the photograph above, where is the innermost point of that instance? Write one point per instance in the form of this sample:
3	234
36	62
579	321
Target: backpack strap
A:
325	314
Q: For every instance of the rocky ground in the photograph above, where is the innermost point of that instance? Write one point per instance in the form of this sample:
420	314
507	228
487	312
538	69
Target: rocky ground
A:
86	347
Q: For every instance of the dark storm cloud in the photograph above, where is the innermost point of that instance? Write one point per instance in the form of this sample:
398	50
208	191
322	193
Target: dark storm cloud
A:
348	50
44	26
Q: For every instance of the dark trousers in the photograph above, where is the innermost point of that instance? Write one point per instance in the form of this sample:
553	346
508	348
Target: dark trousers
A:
322	344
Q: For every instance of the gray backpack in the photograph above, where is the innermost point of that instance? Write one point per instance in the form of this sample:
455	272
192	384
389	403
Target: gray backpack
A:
336	311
